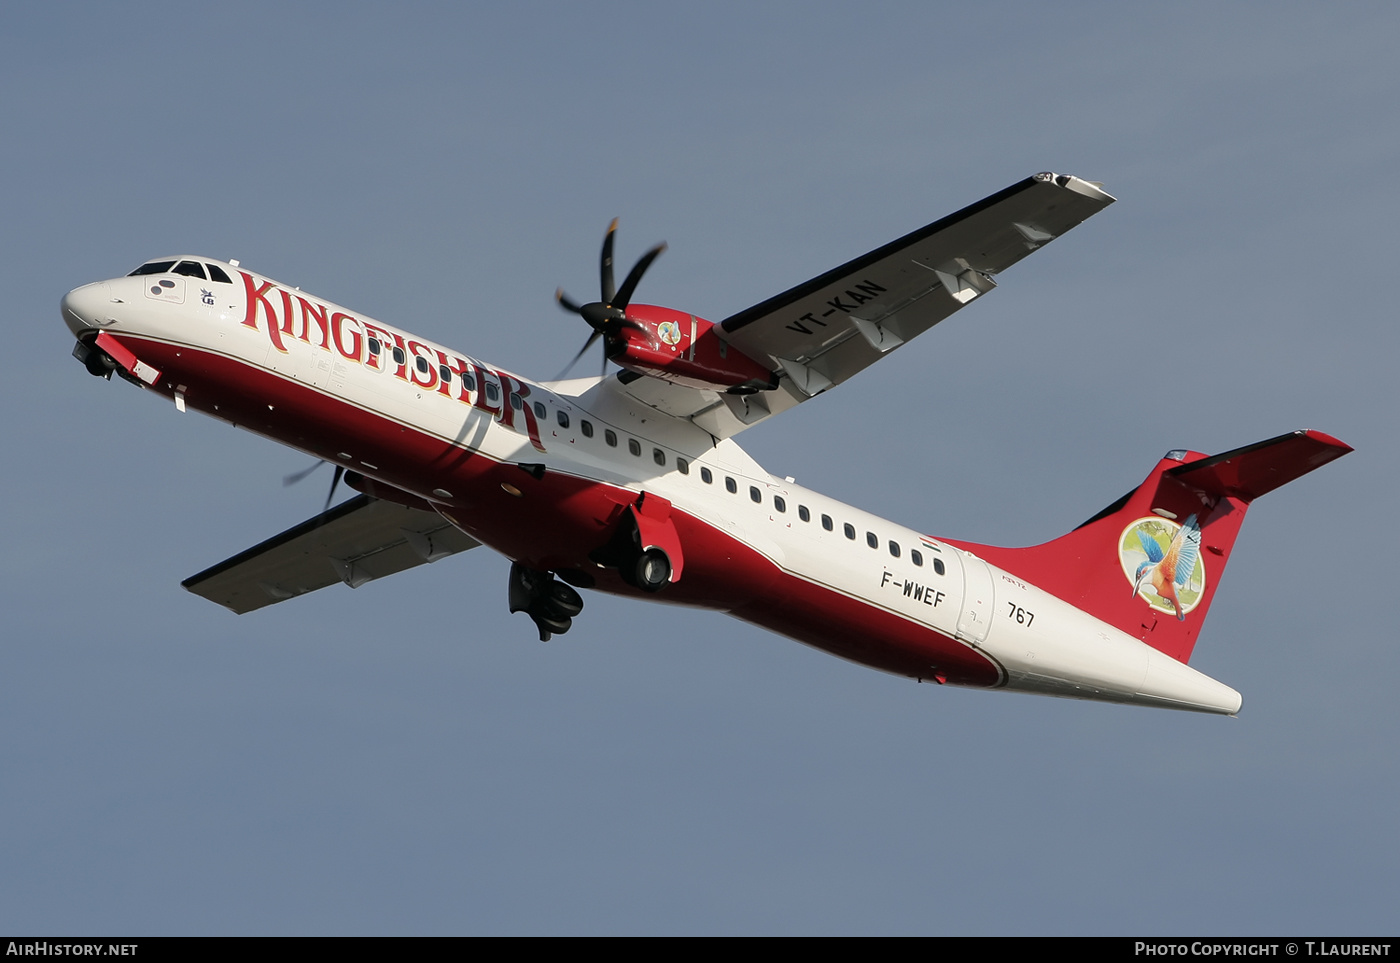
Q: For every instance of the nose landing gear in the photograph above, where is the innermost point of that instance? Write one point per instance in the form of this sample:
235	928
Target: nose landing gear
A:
551	604
98	363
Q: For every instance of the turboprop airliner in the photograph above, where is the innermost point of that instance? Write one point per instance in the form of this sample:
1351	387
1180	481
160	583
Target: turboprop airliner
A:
632	483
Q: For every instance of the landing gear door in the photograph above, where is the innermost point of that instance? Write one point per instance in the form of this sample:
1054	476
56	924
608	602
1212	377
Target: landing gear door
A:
976	616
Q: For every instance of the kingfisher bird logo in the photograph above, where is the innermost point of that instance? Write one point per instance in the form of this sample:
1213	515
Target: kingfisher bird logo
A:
670	332
1162	561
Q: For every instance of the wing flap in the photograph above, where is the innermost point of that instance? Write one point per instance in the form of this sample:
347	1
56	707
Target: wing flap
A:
361	540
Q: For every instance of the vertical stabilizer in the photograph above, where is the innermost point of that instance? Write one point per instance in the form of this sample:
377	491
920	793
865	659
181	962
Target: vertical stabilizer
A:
1149	564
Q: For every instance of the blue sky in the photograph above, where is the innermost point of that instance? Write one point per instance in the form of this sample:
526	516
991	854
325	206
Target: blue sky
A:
405	758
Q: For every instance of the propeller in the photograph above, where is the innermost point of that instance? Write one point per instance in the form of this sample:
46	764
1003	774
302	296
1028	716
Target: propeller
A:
608	315
292	479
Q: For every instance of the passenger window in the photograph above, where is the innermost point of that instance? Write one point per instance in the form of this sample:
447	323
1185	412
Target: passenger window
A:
871	540
779	503
706	476
658	456
916	556
610	437
755	495
803	514
540	411
493	390
826	522
470	381
399	356
938	565
516	402
191	269
562	417
216	273
850	531
374	346
445	373
634	446
894	549
423	365
682	466
586	427
730	485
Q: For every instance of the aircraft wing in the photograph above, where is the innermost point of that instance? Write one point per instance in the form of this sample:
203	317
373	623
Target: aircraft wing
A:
825	330
360	540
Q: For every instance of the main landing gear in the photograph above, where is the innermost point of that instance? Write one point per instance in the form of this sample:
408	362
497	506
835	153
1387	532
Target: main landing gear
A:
644	549
550	603
641	565
650	571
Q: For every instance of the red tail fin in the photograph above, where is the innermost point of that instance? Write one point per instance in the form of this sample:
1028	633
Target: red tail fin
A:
1126	565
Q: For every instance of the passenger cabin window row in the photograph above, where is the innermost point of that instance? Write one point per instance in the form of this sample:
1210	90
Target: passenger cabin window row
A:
585	427
731	485
805	514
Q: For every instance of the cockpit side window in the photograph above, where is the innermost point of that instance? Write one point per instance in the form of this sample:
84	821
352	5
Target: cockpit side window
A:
217	273
191	269
152	267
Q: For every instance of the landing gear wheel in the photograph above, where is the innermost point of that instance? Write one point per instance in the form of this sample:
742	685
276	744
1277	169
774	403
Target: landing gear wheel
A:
551	605
652	571
98	364
561	599
550	626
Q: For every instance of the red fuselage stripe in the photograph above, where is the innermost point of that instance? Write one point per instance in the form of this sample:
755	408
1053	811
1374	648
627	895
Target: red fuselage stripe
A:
556	520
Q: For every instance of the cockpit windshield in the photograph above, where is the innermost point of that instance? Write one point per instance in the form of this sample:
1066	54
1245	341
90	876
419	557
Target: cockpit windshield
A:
190	269
152	267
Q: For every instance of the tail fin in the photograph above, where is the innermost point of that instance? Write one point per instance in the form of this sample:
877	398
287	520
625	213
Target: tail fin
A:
1149	563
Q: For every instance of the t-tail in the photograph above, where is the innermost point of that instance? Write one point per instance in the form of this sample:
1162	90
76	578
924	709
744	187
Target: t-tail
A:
1149	564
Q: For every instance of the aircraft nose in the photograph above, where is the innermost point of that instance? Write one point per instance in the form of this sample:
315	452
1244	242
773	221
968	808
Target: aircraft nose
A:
86	307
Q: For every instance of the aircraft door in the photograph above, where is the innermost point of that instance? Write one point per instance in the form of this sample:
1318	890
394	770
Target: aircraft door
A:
305	363
975	619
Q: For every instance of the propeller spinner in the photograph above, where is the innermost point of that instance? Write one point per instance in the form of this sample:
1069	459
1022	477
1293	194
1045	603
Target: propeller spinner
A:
608	315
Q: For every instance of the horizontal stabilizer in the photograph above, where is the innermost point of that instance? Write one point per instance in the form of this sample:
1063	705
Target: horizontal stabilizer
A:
361	540
1254	470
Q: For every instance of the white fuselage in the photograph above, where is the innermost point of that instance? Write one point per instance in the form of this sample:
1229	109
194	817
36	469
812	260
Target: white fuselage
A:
298	368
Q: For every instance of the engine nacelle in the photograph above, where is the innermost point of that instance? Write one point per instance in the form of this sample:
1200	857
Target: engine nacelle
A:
686	350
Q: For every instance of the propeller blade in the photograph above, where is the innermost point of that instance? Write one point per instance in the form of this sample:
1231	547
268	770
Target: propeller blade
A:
566	302
295	477
582	351
624	294
608	316
605	269
339	473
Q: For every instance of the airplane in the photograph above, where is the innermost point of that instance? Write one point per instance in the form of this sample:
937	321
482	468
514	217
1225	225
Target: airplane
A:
631	483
